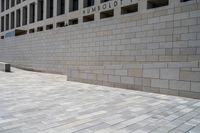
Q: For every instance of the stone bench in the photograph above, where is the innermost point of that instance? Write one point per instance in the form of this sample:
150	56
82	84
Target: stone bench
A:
5	67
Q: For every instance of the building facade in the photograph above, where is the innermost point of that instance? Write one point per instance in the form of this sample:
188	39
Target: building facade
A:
147	45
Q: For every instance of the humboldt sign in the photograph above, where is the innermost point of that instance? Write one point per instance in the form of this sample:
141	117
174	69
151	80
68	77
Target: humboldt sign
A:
104	6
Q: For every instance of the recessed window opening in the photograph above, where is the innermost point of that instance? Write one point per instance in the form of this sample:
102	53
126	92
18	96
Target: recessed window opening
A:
88	3
20	32
185	0
24	20
12	3
2	24
73	21
49	8
2	5
12	20
7	22
107	14
39	29
157	3
2	37
49	27
31	30
32	13
88	18
18	1
18	18
40	10
60	24
102	1
60	7
7	4
129	9
73	5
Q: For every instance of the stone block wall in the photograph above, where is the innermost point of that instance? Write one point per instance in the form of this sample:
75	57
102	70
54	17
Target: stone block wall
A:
164	44
174	78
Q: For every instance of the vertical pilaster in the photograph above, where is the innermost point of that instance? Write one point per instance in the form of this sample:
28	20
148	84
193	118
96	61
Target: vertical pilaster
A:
80	8
174	2
45	10
28	13
55	8
14	20
21	16
4	5
10	20
36	10
117	9
97	14
66	6
0	9
142	6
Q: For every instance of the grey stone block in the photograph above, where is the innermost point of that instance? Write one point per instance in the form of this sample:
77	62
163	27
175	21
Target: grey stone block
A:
195	86
5	67
169	74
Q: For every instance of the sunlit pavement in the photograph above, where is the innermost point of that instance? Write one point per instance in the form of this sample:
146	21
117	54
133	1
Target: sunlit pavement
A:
32	102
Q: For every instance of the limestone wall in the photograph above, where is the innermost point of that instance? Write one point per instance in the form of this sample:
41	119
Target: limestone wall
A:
174	78
165	35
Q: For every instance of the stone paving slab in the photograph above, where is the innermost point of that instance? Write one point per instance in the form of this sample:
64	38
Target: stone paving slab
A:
32	102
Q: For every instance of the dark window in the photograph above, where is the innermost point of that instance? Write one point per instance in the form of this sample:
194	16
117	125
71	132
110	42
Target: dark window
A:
185	0
18	1
157	3
18	18
49	8
107	14
12	3
39	29
12	20
49	27
60	24
104	1
31	30
40	10
2	5
2	24
7	22
24	22
88	18
7	4
60	7
73	5
88	3
129	9
32	13
73	21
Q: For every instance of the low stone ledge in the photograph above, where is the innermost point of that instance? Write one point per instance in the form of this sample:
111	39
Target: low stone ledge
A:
5	67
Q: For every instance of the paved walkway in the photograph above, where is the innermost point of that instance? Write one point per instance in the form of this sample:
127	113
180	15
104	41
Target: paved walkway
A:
33	102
